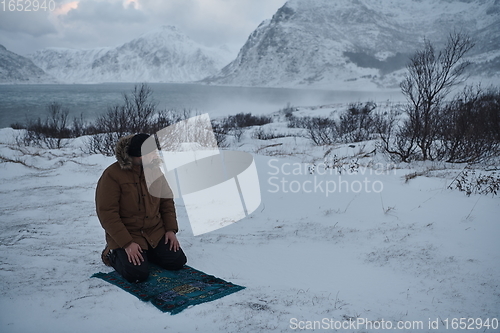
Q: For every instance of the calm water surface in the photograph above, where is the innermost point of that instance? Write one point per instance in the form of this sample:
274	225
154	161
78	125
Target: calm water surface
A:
19	102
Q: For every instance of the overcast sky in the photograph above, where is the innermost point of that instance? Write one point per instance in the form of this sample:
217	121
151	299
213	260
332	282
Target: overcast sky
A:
95	23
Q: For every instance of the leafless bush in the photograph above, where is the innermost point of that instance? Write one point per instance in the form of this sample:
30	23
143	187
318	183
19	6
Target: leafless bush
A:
235	125
137	114
430	76
395	139
322	131
297	122
470	126
472	182
287	111
49	132
80	127
17	126
262	134
431	129
357	123
465	129
242	120
188	134
220	134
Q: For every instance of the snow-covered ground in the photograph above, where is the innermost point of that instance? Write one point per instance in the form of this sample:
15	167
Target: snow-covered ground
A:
378	248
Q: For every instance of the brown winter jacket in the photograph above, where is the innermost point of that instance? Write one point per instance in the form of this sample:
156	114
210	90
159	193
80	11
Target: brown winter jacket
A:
126	210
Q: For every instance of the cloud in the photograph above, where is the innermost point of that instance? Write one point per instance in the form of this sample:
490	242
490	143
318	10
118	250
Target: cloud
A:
64	8
94	23
97	23
213	22
30	23
108	12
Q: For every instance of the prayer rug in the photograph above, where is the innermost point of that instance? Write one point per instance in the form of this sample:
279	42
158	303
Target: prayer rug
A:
174	291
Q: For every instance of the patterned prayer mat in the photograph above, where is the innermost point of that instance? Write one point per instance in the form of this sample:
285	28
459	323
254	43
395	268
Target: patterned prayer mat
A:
174	291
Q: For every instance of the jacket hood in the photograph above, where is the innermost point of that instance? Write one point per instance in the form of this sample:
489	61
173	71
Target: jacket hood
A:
121	152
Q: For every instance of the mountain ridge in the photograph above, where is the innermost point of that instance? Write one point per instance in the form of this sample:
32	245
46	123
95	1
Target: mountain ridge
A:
358	44
18	69
161	55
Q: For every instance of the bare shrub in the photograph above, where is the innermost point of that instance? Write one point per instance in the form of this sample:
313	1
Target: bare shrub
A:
472	182
241	120
220	134
465	129
137	114
49	132
470	126
80	127
297	122
322	131
429	78
17	126
288	110
357	123
262	134
394	138
235	125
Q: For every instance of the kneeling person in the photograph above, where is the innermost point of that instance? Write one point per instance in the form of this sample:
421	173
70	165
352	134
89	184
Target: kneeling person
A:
140	228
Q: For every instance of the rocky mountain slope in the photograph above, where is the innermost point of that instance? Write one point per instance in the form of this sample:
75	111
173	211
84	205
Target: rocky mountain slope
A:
164	55
359	43
18	69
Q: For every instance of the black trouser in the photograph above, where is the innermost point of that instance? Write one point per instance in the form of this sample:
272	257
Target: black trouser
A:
160	255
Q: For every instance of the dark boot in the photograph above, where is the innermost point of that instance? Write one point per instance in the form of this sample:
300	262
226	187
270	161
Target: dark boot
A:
106	256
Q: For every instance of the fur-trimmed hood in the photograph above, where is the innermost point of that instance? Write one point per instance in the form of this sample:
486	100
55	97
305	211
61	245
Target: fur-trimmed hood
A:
121	152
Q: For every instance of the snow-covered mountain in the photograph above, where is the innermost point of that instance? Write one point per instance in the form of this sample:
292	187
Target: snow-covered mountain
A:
163	55
18	69
358	43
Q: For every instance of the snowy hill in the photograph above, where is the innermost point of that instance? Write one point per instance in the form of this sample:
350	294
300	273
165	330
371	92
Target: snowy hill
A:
381	247
163	55
358	43
18	69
